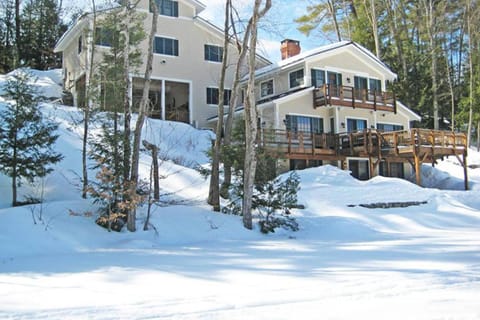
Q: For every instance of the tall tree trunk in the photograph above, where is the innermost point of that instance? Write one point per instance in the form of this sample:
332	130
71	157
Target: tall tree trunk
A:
214	191
88	105
472	78
251	118
142	109
430	25
18	29
372	16
333	11
127	113
14	175
242	47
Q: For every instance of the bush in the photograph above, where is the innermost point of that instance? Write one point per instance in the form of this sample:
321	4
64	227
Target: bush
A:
272	201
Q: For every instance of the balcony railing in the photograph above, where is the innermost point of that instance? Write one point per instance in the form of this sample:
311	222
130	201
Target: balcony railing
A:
329	94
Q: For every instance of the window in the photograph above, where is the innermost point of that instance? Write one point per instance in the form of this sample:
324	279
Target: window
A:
360	84
392	169
359	169
266	88
375	85
167	8
212	96
105	37
304	124
334	80
296	78
166	46
213	53
318	78
389	127
80	44
356	125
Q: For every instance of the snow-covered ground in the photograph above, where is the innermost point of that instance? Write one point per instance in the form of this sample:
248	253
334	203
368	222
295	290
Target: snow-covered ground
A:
346	262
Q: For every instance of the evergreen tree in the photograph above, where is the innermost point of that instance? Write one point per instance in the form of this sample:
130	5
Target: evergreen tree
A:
42	26
26	139
7	35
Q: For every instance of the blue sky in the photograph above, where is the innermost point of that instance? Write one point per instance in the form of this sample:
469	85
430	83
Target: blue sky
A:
278	24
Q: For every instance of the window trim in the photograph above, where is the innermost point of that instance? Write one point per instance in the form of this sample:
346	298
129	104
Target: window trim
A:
225	90
166	38
290	80
390	124
367	125
273	88
318	70
310	117
220	56
175	12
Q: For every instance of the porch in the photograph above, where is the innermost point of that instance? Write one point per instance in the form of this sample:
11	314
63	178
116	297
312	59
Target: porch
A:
414	146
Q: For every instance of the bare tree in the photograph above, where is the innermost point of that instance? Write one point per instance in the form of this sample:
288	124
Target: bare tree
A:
142	108
214	191
251	116
242	48
89	104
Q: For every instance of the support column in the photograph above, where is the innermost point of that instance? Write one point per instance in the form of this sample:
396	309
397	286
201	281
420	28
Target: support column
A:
465	170
418	169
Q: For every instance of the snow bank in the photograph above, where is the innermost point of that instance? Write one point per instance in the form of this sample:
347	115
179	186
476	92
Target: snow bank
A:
48	83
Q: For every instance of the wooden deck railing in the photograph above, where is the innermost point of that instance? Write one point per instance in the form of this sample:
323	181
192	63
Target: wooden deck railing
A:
366	142
346	96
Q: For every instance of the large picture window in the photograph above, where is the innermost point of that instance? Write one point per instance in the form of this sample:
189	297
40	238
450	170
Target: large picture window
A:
166	46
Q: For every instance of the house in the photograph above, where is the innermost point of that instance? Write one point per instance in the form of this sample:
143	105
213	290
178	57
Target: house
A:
332	105
186	65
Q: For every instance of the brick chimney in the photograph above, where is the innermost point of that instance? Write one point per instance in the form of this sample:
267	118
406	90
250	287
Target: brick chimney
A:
289	48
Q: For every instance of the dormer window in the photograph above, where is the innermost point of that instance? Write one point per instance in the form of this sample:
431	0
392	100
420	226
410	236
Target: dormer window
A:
167	8
296	78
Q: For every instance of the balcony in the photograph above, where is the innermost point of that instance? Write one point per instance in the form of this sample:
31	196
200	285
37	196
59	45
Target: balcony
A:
345	96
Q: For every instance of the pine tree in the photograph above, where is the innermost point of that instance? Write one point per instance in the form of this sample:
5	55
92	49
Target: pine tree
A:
41	27
26	139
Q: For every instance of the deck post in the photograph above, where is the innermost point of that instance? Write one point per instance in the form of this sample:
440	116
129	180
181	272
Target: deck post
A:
465	170
418	169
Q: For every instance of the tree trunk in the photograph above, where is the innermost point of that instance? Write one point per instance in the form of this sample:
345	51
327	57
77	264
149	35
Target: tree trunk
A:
18	30
142	109
127	188
214	191
242	47
470	62
333	12
251	118
88	105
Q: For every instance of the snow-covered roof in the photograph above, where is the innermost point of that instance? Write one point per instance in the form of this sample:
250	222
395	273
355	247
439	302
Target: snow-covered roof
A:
300	58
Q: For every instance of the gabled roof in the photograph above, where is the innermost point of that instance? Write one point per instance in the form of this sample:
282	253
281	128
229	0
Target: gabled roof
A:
323	50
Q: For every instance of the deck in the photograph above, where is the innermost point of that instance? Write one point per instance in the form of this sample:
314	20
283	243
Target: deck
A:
414	146
346	96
